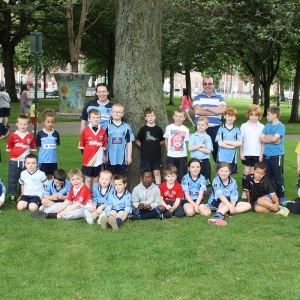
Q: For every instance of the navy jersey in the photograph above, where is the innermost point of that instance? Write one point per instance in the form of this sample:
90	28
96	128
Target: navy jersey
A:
47	143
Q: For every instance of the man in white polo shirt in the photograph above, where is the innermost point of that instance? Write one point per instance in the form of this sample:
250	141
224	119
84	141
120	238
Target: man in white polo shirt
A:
211	105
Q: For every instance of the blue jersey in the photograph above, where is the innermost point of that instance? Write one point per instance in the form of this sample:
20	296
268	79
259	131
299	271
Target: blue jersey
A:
122	203
230	191
105	111
274	149
98	197
47	143
117	139
51	188
196	139
225	154
2	188
193	186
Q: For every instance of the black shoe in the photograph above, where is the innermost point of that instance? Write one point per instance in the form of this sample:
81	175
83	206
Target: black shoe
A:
39	214
133	217
160	217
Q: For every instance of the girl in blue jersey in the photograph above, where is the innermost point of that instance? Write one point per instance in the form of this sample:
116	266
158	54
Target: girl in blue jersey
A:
224	196
194	185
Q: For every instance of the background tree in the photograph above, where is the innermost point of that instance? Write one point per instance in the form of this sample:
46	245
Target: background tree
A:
137	82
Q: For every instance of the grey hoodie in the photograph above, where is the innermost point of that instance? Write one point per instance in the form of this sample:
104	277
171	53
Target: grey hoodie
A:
149	196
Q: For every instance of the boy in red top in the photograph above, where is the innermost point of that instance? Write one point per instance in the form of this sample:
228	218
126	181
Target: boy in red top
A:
19	144
93	144
73	207
171	193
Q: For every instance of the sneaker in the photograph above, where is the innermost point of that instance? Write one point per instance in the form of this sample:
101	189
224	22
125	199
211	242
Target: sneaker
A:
217	222
283	211
88	216
98	221
113	223
281	200
12	198
133	217
244	195
39	214
286	202
103	222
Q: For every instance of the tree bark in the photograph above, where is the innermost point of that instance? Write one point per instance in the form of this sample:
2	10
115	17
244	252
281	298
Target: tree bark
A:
137	76
188	80
171	102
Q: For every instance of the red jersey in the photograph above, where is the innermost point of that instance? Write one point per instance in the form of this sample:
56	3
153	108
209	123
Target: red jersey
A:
82	195
172	193
19	147
93	144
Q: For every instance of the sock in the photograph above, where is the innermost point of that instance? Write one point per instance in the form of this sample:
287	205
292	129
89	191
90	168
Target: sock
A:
51	216
244	182
218	215
151	214
137	212
119	221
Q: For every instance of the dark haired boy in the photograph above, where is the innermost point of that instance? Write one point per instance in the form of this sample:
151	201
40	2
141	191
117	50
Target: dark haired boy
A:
57	189
119	204
171	193
33	182
260	191
146	202
273	138
149	139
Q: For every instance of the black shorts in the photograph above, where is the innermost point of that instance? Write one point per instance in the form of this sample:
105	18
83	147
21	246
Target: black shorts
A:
206	171
48	168
31	199
152	165
185	202
4	112
117	169
250	161
91	171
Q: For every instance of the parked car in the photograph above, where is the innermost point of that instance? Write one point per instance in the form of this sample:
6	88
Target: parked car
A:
53	94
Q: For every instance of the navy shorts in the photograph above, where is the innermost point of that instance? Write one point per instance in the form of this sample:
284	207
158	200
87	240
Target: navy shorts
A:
152	165
4	112
214	205
117	210
48	168
31	199
266	195
185	202
250	161
117	169
91	171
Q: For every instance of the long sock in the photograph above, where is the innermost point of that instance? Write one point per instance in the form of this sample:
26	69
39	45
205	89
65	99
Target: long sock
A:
119	221
244	182
137	212
151	214
218	215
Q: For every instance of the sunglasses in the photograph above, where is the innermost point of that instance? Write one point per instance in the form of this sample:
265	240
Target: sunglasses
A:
207	83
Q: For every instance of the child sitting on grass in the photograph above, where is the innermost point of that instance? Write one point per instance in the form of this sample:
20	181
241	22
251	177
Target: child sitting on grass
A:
261	192
292	206
146	203
101	194
2	193
119	204
33	182
57	190
72	208
194	186
224	196
171	193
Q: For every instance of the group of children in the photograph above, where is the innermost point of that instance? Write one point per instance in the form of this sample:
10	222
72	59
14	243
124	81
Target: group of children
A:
98	192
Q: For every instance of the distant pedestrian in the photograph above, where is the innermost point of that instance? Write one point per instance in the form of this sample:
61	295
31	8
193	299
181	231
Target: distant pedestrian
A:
4	106
24	95
186	103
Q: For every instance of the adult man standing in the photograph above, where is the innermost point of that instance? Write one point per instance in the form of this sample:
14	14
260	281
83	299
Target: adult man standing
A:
211	105
100	103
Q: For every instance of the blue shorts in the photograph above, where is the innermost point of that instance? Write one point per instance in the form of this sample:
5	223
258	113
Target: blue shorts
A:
31	199
152	165
214	205
91	171
250	161
186	202
266	195
117	169
48	168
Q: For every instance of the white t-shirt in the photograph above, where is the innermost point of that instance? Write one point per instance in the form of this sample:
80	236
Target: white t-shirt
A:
177	137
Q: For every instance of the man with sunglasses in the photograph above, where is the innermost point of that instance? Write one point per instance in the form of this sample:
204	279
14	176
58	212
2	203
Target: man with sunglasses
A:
211	105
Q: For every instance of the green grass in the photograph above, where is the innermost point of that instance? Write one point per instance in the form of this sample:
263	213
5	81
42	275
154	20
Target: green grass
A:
254	257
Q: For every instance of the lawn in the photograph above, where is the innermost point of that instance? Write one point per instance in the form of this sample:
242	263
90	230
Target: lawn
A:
254	257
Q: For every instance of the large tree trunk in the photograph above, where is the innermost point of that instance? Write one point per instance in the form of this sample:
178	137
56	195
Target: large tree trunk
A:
257	70
171	102
137	76
8	52
294	118
188	80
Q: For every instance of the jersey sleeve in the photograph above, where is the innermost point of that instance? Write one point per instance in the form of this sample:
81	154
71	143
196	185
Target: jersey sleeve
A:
82	140
84	114
38	140
104	142
129	135
9	144
219	135
128	208
239	134
57	138
235	195
179	191
185	183
161	134
32	143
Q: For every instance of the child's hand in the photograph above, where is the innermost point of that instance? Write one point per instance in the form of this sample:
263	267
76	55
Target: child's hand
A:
172	208
141	206
196	208
62	213
147	207
169	207
104	159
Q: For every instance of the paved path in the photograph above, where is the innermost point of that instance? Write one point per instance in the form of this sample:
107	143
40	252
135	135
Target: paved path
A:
73	128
